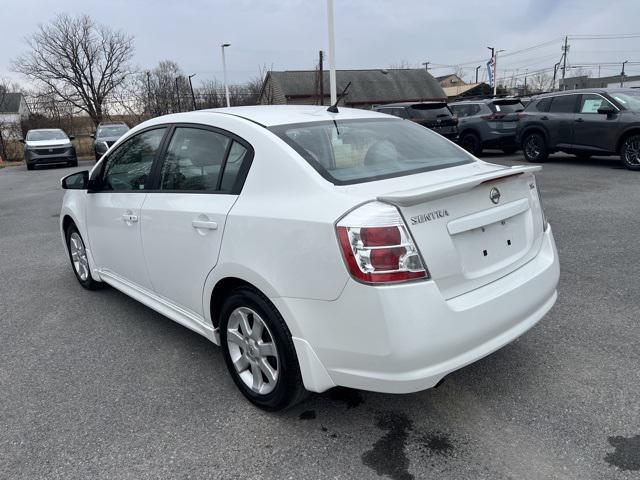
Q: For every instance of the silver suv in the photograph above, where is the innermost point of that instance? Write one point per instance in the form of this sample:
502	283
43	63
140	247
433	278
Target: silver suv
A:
487	123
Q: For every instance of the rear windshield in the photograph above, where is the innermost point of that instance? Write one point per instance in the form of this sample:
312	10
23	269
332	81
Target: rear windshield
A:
355	151
429	111
38	135
508	106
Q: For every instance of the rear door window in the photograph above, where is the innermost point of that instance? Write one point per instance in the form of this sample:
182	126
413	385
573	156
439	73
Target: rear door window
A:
543	105
507	106
563	104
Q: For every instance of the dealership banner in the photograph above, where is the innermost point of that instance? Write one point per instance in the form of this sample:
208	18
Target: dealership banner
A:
490	72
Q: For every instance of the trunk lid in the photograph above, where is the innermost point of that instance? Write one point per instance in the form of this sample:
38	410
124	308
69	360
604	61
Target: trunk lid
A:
473	230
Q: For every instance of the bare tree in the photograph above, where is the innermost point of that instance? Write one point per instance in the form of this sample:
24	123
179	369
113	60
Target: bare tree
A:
79	60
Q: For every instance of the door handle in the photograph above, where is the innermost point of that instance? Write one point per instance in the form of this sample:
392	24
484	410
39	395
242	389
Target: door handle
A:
204	224
129	218
544	117
579	120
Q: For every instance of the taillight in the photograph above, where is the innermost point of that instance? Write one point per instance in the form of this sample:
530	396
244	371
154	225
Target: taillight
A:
377	246
493	117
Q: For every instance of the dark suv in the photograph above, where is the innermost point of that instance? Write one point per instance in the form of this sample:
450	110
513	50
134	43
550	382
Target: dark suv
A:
106	135
487	123
434	115
602	121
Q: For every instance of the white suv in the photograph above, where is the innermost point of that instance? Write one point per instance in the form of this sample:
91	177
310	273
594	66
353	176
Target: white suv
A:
317	248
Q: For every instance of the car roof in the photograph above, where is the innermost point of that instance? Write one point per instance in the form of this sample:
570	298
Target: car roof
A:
46	130
485	100
578	91
270	115
106	124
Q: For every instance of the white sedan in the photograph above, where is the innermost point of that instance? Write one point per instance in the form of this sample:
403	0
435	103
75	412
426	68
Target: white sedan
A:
316	248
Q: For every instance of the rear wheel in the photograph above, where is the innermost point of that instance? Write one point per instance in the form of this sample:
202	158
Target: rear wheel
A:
630	152
259	352
471	143
534	148
79	259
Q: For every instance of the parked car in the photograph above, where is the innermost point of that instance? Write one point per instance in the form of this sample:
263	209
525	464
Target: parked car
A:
106	135
583	122
487	123
48	145
317	249
434	115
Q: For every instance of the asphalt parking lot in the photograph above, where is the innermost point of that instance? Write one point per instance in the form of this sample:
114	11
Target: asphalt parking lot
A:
95	385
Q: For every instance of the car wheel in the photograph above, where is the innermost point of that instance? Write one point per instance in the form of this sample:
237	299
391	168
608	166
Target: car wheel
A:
534	148
73	164
79	259
259	352
630	152
471	143
30	166
510	150
583	156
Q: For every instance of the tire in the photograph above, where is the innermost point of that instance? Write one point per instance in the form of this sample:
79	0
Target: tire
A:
630	152
30	166
74	163
270	380
471	143
583	156
509	150
81	269
534	148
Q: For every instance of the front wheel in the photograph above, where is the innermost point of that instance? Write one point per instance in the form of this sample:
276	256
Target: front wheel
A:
259	352
630	152
534	148
79	259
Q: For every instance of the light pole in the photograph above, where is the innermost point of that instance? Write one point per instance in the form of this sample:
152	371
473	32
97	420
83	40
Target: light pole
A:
477	68
224	73
193	97
622	74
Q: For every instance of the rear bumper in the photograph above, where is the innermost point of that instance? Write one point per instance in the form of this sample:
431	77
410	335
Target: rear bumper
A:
406	338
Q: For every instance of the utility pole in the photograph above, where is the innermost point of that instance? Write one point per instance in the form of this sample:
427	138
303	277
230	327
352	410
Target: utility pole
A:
178	95
565	49
321	68
224	72
426	65
149	91
622	74
193	97
477	68
332	54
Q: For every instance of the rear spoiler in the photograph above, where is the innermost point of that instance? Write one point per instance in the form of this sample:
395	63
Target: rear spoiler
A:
407	198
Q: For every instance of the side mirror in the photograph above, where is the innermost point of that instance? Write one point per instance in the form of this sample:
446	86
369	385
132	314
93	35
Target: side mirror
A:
71	137
76	181
93	135
607	110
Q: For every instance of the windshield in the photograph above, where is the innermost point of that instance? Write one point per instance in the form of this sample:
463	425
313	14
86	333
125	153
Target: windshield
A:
629	100
38	135
430	111
510	106
112	131
355	151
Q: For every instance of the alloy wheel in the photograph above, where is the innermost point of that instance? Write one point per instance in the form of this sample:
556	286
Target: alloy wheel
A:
252	350
533	147
632	151
79	256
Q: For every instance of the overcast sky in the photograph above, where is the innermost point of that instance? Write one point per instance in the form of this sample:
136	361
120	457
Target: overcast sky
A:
287	34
